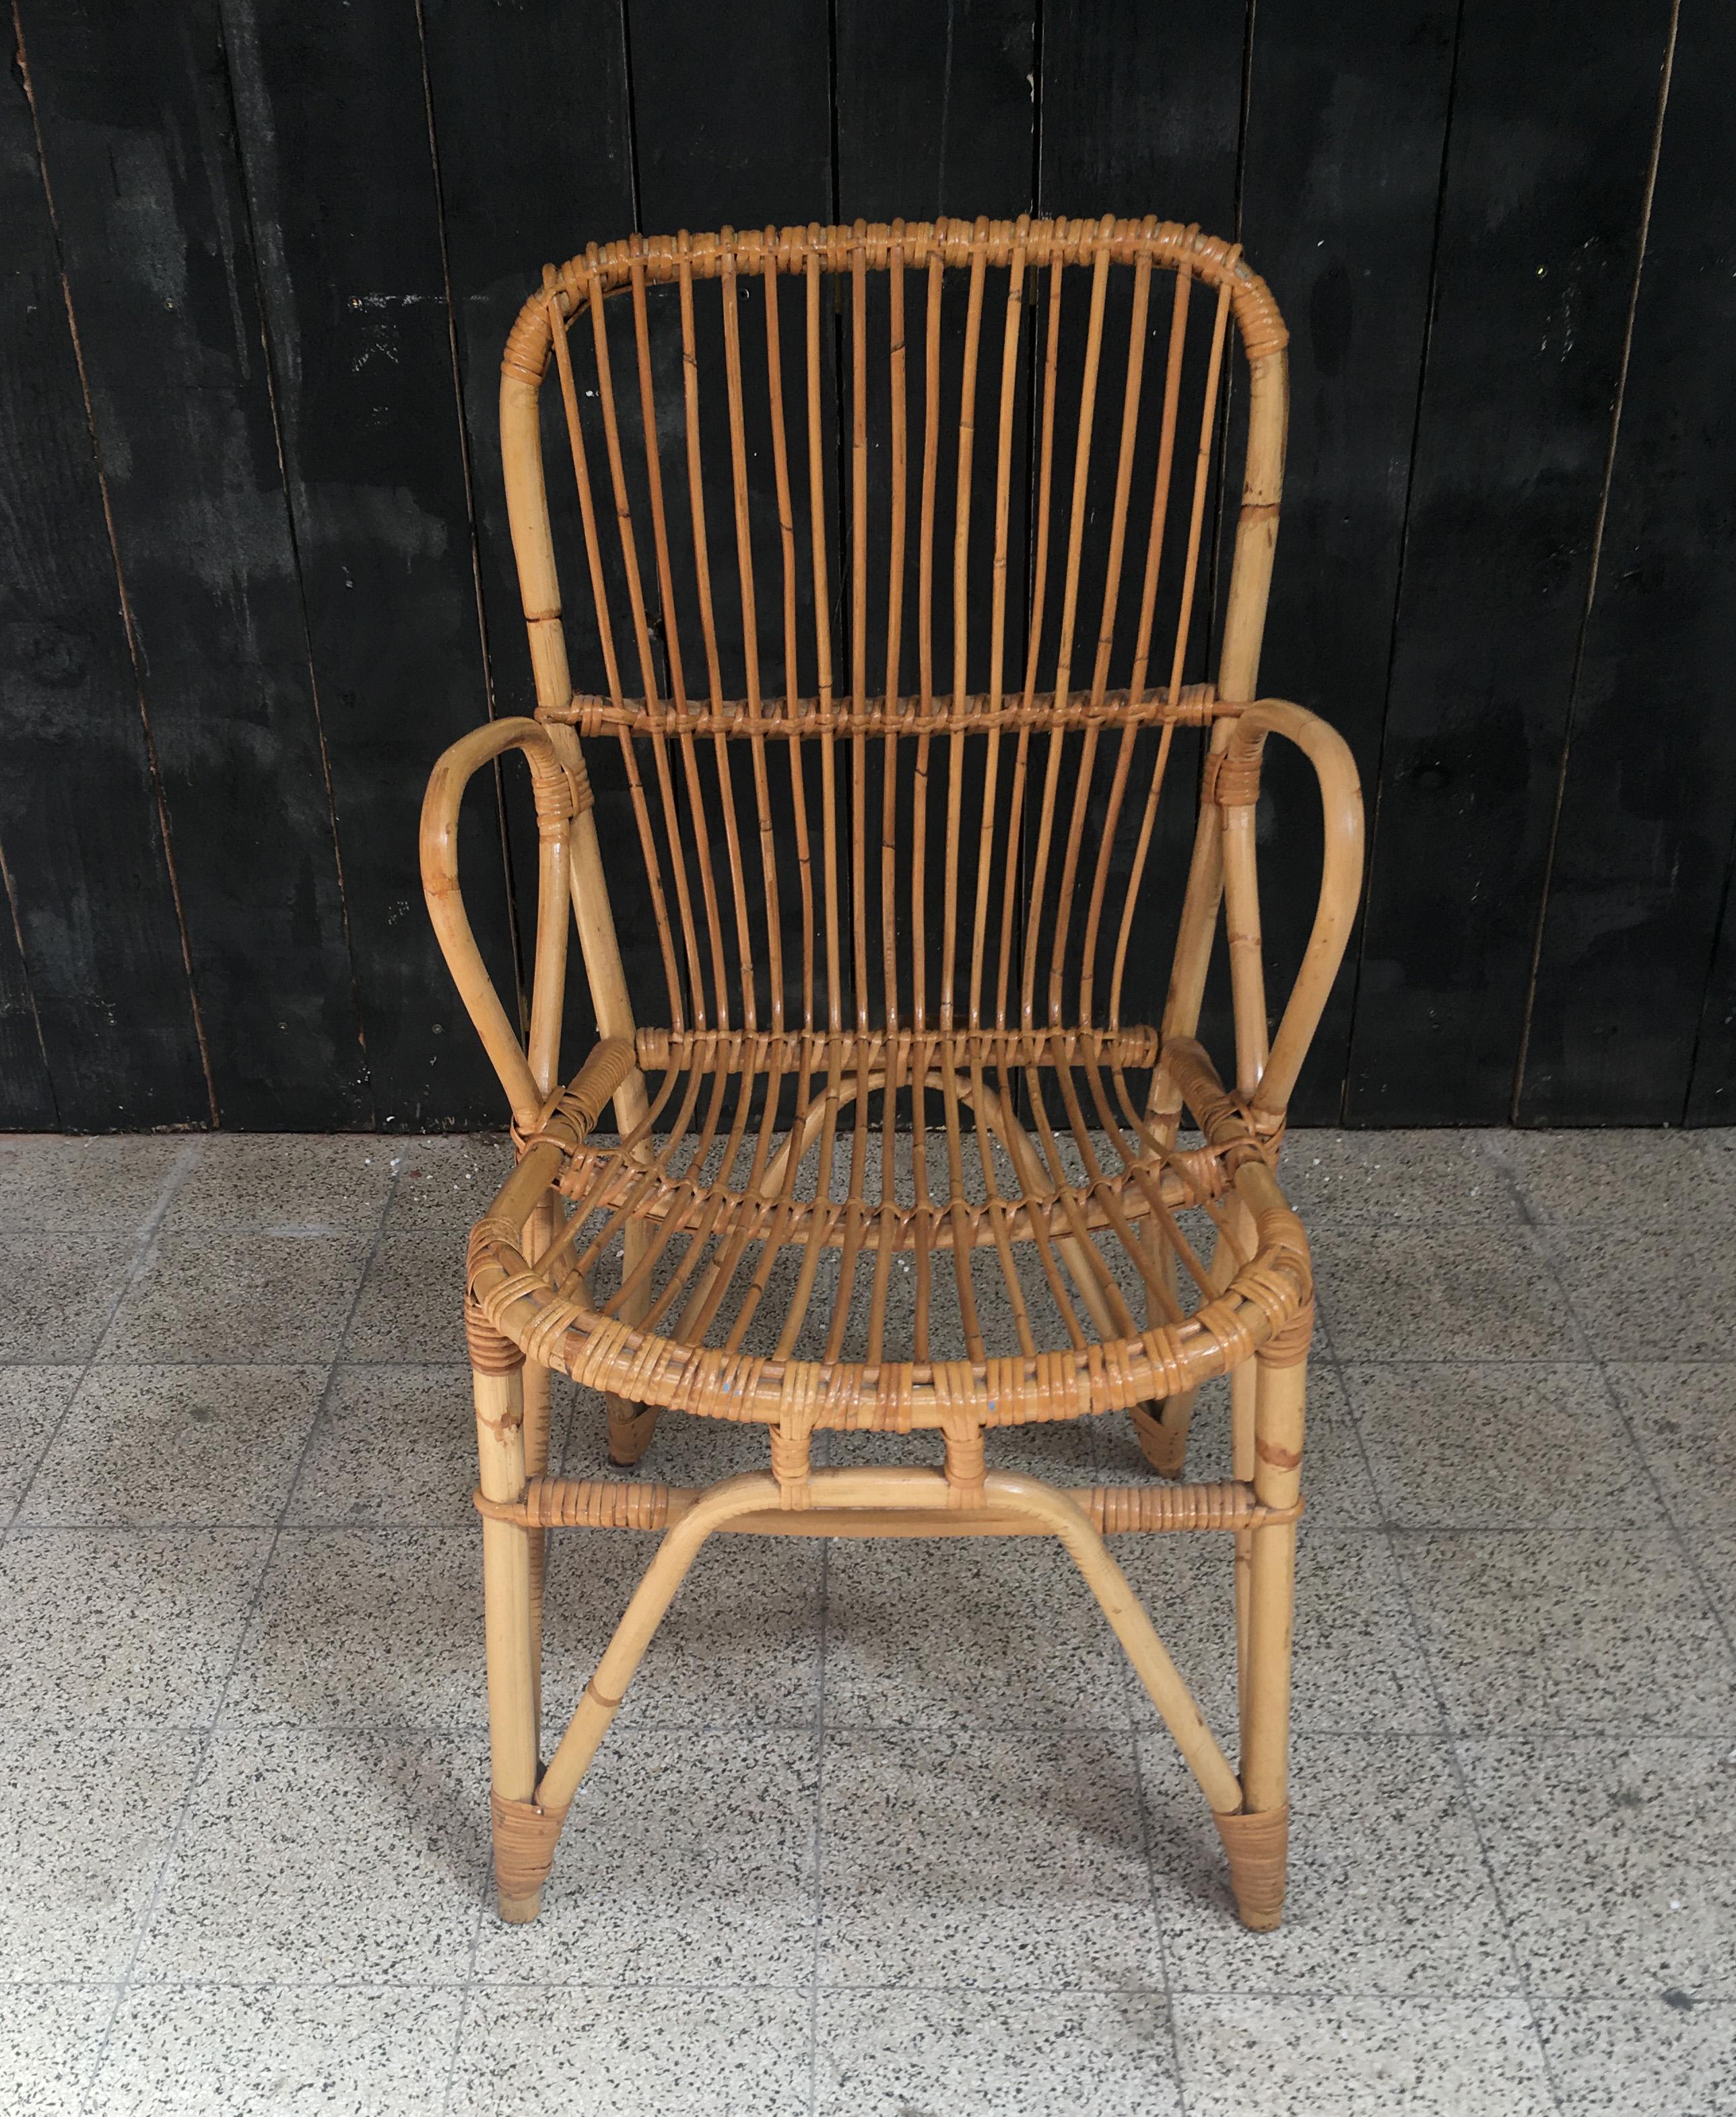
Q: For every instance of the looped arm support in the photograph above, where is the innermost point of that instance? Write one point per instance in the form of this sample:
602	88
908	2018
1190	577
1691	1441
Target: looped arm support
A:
1341	877
528	1080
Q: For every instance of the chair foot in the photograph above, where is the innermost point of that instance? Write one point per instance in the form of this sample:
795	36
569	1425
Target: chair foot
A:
1258	1846
525	1834
1163	1445
630	1428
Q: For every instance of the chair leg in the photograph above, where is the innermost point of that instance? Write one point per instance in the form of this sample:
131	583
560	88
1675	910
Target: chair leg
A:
1256	1838
536	1386
536	1381
1244	1389
631	1426
507	1617
1161	1431
1243	1540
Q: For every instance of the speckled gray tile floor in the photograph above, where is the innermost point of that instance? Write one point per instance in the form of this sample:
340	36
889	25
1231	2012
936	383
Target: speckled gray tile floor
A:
884	1829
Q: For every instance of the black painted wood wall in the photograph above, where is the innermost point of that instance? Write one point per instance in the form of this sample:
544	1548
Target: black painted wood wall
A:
259	259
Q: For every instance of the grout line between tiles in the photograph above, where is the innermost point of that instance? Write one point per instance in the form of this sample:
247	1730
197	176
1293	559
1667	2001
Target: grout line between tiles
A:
467	1994
1450	1742
818	1841
1449	1738
821	1727
1684	1540
1168	1987
144	1237
559	1386
1446	1736
1567	1730
202	1750
1422	1997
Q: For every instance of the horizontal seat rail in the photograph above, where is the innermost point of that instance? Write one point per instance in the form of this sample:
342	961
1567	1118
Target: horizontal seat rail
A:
1113	1510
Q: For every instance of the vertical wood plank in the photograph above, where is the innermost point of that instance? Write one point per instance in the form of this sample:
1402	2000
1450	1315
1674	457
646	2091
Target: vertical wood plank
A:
1142	111
1643	843
138	133
936	109
1139	113
731	114
1711	1094
733	126
1551	144
1346	120
26	1093
704	85
528	177
1549	927
335	142
101	1032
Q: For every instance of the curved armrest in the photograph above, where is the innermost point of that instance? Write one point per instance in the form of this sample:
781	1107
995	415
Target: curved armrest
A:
1340	879
556	804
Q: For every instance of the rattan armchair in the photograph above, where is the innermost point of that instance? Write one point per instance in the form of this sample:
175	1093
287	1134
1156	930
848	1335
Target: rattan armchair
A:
898	543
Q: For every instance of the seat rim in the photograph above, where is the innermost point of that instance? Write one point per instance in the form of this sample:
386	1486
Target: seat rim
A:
1269	1298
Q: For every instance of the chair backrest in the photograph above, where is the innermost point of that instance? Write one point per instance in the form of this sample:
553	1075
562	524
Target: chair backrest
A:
900	547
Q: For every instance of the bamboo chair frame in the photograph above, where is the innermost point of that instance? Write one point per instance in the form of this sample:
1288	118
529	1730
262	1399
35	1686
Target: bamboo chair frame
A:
702	1190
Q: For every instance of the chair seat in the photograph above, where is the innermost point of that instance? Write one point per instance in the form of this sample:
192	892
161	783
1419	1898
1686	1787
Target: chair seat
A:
1000	1209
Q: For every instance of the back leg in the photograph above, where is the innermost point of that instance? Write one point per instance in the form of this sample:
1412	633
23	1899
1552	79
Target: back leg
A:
1162	1429
497	1385
631	1426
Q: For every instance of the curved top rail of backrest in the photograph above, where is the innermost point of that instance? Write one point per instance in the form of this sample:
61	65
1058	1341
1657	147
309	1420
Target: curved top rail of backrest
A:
957	242
1022	249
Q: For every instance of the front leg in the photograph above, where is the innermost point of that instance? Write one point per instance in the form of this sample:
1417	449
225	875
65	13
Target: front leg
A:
496	1378
1257	1837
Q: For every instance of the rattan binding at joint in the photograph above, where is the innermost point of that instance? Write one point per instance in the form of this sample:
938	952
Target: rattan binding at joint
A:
1230	779
1235	1130
979	712
581	1503
791	1460
570	1114
1231	1505
491	1351
966	1459
1288	1347
1258	1847
525	1835
552	792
